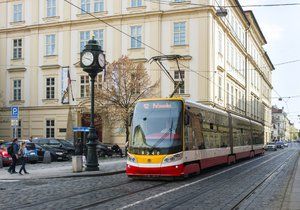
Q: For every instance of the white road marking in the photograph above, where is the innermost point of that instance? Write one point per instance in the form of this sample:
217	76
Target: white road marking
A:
192	183
11	180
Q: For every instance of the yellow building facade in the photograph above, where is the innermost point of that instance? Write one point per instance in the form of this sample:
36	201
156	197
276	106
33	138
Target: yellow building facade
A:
40	41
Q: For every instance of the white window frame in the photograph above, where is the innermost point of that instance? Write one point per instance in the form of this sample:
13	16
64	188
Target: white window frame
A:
179	33
50	88
17	12
136	37
98	5
50	44
17	90
220	83
84	38
136	3
99	36
17	48
85	6
51	8
84	86
177	79
50	128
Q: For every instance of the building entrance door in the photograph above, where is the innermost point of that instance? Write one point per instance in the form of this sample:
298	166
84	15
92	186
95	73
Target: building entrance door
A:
85	122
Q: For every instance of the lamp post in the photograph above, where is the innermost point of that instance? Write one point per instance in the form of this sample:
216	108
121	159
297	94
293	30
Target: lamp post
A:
92	60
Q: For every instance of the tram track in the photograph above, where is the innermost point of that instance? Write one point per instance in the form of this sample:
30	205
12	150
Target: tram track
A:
201	189
73	195
273	173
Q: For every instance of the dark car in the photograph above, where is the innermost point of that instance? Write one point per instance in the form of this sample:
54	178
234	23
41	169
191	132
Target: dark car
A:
56	143
55	153
104	150
280	144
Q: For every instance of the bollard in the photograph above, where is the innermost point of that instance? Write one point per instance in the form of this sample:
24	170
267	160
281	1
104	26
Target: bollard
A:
47	157
1	163
77	163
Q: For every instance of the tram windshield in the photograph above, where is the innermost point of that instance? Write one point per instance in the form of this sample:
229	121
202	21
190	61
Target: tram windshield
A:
156	128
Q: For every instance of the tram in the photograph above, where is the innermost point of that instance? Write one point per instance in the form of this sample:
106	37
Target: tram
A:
174	138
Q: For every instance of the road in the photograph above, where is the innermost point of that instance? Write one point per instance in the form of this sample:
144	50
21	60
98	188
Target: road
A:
258	183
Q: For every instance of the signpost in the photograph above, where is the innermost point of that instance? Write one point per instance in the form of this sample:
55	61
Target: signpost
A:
14	119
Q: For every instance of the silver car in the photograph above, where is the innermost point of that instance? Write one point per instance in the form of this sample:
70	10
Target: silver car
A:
271	146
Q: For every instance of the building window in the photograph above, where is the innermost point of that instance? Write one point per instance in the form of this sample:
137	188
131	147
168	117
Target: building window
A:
85	6
136	36
17	48
50	88
99	37
179	33
84	38
50	44
51	8
17	90
98	6
17	12
228	94
232	97
50	128
99	81
220	38
220	88
84	86
136	3
177	79
19	129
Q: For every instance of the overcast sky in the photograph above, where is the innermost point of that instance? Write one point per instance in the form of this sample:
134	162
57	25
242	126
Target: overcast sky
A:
281	27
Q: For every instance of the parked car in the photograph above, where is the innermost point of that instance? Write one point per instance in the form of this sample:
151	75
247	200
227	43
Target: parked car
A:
108	150
271	146
280	144
104	150
285	143
6	158
56	143
31	152
56	153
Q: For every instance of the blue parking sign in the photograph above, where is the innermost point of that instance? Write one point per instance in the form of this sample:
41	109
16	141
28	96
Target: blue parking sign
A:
14	112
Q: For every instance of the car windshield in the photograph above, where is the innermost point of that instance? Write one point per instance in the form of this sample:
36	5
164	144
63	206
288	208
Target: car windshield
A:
30	146
157	128
66	143
271	143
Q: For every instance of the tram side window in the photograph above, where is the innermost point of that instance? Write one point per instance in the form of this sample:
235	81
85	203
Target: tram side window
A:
195	138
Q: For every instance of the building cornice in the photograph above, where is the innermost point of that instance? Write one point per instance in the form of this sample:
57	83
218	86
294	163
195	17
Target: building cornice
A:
45	67
17	69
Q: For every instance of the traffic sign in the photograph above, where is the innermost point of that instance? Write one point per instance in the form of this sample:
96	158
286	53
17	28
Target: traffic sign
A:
83	129
14	122
14	112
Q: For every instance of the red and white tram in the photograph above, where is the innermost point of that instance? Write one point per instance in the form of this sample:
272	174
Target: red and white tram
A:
174	137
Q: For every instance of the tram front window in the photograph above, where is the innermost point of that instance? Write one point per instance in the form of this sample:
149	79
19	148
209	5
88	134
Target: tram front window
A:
157	128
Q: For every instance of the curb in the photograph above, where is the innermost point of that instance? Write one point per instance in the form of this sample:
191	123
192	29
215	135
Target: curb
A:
81	174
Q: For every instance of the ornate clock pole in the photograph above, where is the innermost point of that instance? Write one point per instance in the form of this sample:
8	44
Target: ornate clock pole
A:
92	60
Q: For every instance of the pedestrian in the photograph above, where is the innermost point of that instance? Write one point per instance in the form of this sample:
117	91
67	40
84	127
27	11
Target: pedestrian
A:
13	152
30	138
22	156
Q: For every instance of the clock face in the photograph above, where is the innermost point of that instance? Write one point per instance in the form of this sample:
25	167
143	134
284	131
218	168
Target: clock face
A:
87	58
101	60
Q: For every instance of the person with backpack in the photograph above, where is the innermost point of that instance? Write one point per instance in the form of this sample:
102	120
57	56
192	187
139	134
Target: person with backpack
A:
13	152
22	157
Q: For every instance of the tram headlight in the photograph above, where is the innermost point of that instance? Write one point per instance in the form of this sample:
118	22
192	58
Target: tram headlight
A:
131	158
173	158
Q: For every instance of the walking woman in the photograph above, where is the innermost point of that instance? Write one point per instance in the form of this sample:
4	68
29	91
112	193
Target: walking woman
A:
22	156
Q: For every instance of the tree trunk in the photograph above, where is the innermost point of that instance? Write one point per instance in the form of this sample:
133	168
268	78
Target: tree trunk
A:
127	136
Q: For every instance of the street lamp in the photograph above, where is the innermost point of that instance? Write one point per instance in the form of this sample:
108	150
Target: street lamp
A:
92	60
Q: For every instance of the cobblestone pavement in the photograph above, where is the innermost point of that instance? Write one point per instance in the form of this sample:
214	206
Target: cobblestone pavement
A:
217	188
62	169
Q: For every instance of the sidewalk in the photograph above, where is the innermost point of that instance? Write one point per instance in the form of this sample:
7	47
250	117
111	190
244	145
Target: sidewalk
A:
64	170
292	199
